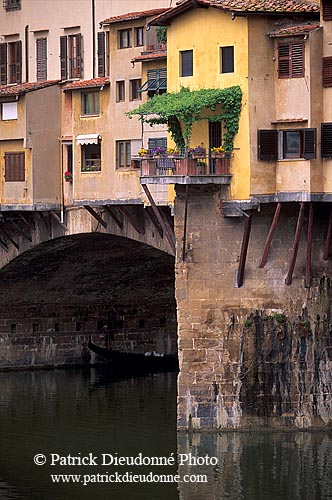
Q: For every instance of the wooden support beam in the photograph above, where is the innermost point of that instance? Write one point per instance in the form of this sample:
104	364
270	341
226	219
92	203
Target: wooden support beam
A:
309	246
184	242
328	239
46	224
9	238
21	231
297	236
151	216
110	210
270	235
165	227
26	222
244	250
132	220
96	215
3	245
57	218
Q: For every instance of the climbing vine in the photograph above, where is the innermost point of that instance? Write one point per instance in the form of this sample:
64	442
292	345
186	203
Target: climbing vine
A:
179	110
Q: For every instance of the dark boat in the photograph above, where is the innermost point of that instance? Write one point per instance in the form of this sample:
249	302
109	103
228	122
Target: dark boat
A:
135	362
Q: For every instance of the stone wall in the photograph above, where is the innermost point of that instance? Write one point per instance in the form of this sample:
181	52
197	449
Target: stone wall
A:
260	354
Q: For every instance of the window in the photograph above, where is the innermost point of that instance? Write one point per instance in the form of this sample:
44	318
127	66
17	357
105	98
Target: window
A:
15	167
12	5
124	39
90	103
9	111
123	154
101	53
291	60
156	82
326	138
215	134
286	144
91	158
135	85
120	91
139	39
227	59
327	71
41	58
327	10
71	56
10	62
186	62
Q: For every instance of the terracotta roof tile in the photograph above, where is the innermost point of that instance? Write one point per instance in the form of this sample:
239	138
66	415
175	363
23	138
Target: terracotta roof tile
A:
22	88
300	29
131	16
85	84
150	56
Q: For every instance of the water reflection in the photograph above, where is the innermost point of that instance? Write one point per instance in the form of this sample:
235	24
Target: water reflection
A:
72	412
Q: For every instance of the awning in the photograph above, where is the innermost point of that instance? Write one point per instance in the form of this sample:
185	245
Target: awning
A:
88	138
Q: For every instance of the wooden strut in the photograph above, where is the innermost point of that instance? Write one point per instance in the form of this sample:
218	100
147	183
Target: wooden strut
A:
3	245
165	227
270	235
9	238
57	218
96	216
20	230
47	224
297	236
244	250
151	216
185	225
308	270
136	225
328	239
111	212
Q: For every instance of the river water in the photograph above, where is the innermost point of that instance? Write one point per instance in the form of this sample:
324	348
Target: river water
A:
73	415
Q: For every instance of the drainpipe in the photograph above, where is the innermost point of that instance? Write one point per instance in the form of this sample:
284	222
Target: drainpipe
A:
26	34
62	196
93	38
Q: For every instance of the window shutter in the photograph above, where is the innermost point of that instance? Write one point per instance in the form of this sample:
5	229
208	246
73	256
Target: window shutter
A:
63	58
187	63
18	61
326	138
309	143
297	55
327	71
41	49
101	53
3	63
14	167
79	55
283	60
327	10
267	145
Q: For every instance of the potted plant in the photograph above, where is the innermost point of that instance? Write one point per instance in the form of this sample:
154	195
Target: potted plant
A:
143	152
68	176
217	152
197	152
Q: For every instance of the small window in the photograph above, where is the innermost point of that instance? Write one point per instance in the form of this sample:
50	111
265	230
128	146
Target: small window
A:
41	58
326	138
12	5
120	91
124	39
156	82
139	39
327	71
186	62
91	158
227	59
123	154
9	111
327	10
135	85
15	62
90	103
15	167
158	142
291	60
287	144
101	53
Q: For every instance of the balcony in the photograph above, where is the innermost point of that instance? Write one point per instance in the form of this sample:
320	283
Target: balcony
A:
184	168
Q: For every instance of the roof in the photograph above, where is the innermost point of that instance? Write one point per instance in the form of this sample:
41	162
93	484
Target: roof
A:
150	56
241	6
131	16
18	89
87	84
299	29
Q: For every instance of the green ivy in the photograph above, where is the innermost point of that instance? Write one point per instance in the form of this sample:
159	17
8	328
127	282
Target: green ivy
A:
179	110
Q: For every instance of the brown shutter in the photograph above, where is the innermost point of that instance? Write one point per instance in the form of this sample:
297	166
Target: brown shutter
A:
283	60
309	143
14	167
297	58
327	10
41	59
101	53
3	63
267	145
327	71
79	55
326	139
15	62
63	58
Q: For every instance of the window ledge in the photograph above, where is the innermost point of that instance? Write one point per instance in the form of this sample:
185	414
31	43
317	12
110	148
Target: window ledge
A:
282	160
92	115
